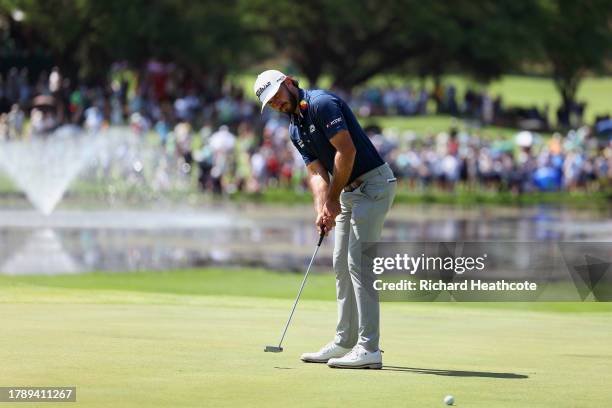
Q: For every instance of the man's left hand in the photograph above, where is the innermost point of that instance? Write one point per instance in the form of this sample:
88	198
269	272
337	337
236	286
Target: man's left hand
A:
331	209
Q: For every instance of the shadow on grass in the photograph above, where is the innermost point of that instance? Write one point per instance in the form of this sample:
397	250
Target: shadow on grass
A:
455	373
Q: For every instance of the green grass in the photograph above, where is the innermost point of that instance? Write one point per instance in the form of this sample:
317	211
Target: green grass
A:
466	197
531	91
211	281
434	124
251	282
524	90
195	338
516	90
462	196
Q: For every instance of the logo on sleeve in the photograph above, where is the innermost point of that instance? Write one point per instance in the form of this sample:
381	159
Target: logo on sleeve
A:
300	142
334	122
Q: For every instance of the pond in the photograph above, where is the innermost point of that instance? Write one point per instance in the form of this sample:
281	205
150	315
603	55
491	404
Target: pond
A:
270	236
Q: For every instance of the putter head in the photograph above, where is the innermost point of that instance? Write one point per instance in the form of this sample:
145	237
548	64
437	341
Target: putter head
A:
273	349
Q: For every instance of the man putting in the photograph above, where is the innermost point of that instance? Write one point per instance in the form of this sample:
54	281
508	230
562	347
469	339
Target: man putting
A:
353	189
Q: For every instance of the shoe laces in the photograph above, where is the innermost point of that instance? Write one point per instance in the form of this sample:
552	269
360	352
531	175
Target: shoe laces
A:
328	346
354	352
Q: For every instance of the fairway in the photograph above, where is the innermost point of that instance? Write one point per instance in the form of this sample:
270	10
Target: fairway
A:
139	346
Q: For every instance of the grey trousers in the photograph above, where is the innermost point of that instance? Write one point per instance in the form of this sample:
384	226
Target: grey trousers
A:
361	220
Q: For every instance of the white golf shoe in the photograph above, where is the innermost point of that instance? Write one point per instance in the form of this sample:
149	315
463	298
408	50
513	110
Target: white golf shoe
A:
358	357
330	350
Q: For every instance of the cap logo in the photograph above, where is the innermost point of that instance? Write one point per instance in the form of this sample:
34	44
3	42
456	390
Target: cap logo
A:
263	88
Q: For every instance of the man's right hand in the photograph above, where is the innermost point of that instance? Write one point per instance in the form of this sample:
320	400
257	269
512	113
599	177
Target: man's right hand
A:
318	180
324	223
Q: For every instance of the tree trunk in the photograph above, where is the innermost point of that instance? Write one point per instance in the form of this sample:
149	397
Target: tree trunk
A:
567	85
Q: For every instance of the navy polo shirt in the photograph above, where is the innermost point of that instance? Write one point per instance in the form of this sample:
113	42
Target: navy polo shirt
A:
325	115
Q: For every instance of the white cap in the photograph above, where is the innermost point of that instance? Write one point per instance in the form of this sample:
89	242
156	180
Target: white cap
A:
524	138
267	84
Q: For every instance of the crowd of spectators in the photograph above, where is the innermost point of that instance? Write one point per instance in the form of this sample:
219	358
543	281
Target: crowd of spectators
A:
571	162
220	134
576	161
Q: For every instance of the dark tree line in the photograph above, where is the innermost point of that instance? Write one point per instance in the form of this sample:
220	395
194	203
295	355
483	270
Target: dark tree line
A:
348	40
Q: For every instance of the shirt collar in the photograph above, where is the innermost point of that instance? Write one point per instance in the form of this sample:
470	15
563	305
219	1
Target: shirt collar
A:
302	95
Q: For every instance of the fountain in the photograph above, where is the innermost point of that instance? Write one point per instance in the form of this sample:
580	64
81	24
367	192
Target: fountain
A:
44	169
108	164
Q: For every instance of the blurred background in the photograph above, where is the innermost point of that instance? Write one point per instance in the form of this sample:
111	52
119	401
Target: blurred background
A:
131	138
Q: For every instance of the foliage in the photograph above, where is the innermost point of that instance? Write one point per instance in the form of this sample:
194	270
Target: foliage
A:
349	41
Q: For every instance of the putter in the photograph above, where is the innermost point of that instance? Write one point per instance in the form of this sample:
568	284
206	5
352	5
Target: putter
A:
279	349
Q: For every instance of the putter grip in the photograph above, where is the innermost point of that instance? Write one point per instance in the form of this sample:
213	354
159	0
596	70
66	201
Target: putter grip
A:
321	236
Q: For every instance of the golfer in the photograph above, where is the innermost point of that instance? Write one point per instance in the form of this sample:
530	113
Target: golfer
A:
353	189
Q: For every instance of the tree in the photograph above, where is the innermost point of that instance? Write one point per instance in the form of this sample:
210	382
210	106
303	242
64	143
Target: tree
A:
355	40
575	36
496	36
86	36
351	40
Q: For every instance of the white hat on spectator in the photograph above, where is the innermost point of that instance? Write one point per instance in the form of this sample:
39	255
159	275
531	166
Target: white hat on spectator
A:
524	139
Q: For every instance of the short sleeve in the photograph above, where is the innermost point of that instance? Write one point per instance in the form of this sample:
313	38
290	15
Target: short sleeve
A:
328	115
306	156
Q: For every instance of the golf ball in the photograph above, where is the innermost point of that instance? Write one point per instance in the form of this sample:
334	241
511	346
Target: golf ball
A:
449	400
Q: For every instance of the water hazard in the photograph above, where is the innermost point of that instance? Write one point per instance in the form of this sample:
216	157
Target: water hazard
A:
74	241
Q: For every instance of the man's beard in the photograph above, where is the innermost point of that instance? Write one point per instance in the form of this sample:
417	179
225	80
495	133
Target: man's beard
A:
289	107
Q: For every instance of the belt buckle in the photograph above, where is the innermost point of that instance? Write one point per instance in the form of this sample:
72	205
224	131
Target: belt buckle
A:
351	187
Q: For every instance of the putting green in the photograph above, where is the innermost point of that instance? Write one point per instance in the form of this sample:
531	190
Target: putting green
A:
148	348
